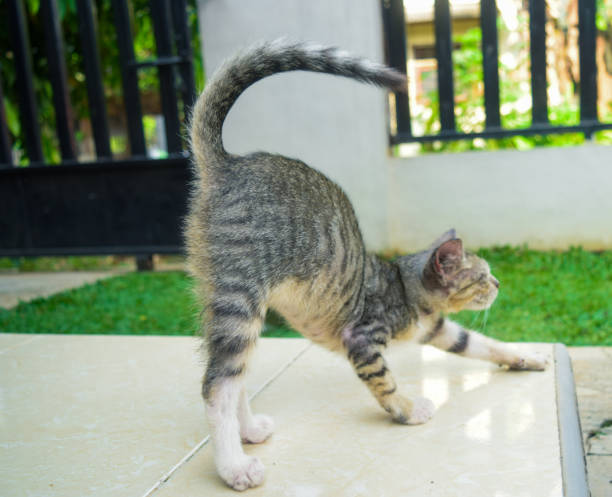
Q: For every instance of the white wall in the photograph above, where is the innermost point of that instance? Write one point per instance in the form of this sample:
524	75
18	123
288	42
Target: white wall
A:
545	197
333	124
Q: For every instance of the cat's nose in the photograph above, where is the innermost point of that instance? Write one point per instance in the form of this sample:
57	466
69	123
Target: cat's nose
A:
495	282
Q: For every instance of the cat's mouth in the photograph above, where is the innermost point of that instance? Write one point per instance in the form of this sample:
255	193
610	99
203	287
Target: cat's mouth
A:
482	302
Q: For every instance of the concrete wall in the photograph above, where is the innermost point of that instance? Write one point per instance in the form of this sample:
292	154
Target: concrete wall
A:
545	197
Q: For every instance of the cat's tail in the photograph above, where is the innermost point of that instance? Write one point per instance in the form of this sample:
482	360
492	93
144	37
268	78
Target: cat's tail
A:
241	71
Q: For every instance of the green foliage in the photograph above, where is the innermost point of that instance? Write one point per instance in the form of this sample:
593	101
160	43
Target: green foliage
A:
603	12
544	296
144	46
469	101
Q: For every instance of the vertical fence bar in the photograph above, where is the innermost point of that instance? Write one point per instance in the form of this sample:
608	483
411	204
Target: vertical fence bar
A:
160	12
129	78
183	48
57	74
446	92
93	76
488	26
588	66
537	47
395	31
25	80
6	155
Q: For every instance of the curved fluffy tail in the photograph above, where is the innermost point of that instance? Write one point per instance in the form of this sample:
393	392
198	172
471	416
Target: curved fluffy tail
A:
240	72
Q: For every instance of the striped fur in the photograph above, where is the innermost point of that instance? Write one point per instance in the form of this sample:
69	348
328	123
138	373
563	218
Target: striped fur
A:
264	60
265	231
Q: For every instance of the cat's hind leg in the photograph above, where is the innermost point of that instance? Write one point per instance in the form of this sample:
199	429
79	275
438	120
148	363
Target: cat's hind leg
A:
452	337
254	428
364	347
231	335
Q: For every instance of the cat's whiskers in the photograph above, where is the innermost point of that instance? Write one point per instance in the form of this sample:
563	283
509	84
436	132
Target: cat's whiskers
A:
475	318
485	318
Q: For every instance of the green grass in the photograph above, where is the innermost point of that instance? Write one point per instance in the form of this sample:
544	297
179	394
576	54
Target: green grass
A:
135	303
549	297
544	296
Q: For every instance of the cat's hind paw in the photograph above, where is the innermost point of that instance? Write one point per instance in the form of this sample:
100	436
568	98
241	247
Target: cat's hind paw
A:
532	361
258	429
244	473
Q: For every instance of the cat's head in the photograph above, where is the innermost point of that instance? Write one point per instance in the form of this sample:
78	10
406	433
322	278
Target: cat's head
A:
455	279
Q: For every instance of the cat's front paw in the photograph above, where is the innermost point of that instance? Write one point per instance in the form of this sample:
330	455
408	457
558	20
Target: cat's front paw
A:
243	473
411	412
258	429
531	361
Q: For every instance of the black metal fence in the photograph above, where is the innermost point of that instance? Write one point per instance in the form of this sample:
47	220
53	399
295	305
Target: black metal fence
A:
134	205
395	32
108	206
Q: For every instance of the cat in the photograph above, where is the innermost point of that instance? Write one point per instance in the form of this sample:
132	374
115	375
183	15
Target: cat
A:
266	231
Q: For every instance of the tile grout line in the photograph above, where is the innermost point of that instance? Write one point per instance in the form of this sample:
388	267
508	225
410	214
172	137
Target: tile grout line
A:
205	440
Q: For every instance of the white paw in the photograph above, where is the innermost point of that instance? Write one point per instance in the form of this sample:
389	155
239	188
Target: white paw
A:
410	411
533	361
258	429
422	411
244	473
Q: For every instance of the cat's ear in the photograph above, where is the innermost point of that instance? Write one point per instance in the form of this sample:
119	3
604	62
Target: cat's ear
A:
446	260
449	235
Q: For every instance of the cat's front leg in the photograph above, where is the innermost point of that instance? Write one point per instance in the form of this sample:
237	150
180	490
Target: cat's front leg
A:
452	337
364	349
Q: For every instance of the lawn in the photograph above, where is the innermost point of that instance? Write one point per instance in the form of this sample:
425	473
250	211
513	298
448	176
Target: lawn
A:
544	296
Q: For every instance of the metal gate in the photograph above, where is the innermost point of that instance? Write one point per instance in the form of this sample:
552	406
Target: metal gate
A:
132	205
395	44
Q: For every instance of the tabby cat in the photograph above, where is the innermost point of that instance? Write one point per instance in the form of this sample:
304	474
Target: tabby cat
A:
265	231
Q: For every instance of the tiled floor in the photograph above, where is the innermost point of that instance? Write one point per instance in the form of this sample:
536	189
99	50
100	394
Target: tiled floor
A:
593	375
111	416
